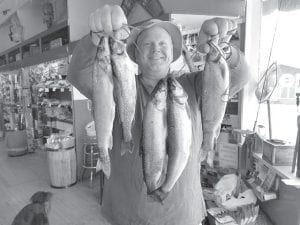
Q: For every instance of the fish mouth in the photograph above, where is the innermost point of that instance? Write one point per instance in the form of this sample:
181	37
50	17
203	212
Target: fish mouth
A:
160	87
171	84
116	47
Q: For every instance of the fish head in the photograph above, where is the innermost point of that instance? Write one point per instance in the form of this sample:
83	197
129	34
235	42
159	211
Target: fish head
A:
103	47
103	53
159	94
176	91
117	47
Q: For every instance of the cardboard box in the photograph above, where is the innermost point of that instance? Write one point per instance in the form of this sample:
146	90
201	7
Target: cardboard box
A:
34	49
277	154
228	155
56	43
217	216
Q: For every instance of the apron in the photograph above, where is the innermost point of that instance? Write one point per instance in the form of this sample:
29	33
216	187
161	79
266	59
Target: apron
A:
125	200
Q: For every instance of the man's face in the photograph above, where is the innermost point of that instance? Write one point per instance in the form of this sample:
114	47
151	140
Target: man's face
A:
155	53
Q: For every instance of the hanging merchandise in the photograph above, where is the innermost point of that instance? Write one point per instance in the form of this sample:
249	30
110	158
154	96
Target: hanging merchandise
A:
15	29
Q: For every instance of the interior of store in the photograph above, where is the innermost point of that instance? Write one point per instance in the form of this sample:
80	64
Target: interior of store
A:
47	131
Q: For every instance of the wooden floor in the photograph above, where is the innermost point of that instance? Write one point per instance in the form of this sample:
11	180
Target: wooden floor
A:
22	176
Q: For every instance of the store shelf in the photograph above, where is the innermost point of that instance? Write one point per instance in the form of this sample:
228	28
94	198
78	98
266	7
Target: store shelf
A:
284	172
56	53
259	193
20	55
47	89
61	125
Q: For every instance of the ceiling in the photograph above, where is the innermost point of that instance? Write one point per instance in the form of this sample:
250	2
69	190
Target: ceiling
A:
234	8
207	7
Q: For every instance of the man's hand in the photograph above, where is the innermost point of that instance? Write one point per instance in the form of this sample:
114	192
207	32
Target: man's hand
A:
108	20
216	30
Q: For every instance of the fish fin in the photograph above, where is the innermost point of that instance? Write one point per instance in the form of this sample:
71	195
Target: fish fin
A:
111	141
141	149
217	133
210	158
105	165
188	110
126	133
202	155
127	147
98	167
158	195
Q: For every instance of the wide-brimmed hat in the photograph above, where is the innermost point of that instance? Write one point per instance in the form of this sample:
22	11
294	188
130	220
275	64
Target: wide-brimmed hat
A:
170	27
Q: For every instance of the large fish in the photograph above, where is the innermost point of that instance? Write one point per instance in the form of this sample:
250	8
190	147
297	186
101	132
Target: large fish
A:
125	90
154	137
179	136
215	93
103	103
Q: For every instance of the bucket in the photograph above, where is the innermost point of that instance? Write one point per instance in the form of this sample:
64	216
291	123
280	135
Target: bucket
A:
62	167
16	142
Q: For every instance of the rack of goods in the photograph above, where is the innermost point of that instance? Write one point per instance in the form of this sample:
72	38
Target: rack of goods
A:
13	112
51	98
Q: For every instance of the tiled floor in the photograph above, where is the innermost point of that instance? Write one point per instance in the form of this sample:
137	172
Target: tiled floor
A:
22	176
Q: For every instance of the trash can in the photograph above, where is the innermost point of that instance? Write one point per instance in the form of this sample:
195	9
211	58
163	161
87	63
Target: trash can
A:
16	142
62	167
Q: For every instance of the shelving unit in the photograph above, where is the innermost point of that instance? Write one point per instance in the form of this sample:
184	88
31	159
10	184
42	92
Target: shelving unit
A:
49	45
40	51
52	104
11	92
282	171
269	175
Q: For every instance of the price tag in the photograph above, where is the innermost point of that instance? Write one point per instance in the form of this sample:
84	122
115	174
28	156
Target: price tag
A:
62	89
46	89
41	89
54	88
60	77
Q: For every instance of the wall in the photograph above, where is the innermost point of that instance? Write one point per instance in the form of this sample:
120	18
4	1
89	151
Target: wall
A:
252	45
31	17
286	209
78	13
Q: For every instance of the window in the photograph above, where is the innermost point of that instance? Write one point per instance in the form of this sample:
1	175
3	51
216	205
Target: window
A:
279	51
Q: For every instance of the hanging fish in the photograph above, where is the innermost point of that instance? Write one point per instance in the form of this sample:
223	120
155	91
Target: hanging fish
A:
154	137
125	90
215	93
179	136
103	103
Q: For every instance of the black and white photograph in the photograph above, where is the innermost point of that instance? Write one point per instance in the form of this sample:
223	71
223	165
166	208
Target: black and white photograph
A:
149	112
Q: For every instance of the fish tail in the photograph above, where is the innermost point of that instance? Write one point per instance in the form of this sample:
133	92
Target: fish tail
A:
127	147
210	158
208	141
126	131
158	195
105	165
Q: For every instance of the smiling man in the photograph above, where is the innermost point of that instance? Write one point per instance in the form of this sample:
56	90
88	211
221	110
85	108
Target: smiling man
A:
153	46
